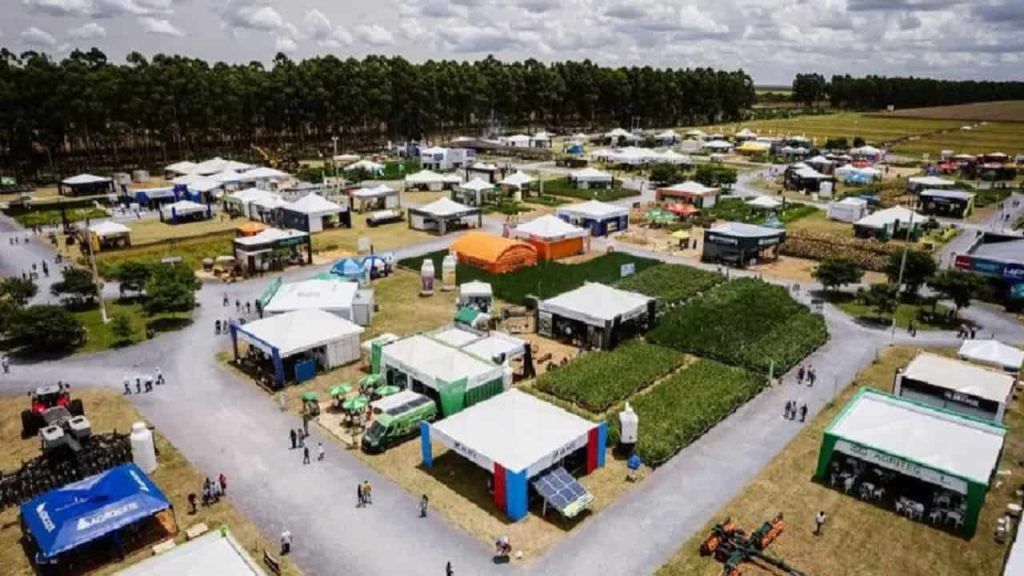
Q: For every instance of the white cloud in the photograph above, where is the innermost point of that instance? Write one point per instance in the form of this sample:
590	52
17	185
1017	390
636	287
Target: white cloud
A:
40	38
88	31
98	8
285	44
320	29
374	34
160	26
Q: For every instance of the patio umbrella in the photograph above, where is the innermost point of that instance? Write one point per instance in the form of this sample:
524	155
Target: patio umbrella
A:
388	390
681	234
370	381
340	389
354	404
309	396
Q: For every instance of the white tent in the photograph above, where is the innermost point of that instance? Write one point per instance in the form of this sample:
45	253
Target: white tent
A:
455	335
993	353
517	179
265	173
867	151
597	304
84	179
691	146
314	204
764	203
618	133
746	133
432	362
211	553
886	219
475	288
548	228
182	208
590	175
593	209
183	167
475	189
497	347
334	296
718	145
668	136
516	140
109	228
218	164
673	157
388	196
445	207
229	177
930	182
423	177
370	166
955	385
269	236
304	331
848	209
247	198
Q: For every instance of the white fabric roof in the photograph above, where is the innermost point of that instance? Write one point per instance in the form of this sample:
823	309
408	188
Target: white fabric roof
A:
673	157
313	294
84	179
430	360
314	204
183	207
455	336
548	227
247	195
691	187
183	167
484	166
375	192
596	304
744	230
301	330
514	429
866	150
746	133
495	344
424	177
667	135
942	440
268	235
200	184
718	145
368	165
619	133
1015	560
209	554
589	174
931	181
960	377
476	185
109	228
516	138
517	179
229	176
594	209
992	352
265	173
764	202
883	218
445	207
218	164
852	201
939	193
476	288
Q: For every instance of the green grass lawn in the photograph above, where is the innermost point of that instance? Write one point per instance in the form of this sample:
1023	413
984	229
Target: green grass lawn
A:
51	216
921	314
192	251
561	187
737	210
99	336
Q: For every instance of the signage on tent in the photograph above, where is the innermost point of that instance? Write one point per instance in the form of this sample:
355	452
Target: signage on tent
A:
105	516
902	466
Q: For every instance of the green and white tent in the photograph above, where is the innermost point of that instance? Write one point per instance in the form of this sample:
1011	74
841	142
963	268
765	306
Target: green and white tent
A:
949	450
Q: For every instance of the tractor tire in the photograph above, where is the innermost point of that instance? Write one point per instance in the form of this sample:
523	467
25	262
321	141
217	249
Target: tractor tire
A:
76	408
29	423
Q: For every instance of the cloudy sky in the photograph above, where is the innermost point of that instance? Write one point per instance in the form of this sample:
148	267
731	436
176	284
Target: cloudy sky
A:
771	39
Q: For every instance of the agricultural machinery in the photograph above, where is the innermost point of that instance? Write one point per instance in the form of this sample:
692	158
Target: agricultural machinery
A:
56	418
732	546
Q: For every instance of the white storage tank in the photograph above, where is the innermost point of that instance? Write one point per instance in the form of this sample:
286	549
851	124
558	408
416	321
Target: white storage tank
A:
143	449
448	273
427	278
629	424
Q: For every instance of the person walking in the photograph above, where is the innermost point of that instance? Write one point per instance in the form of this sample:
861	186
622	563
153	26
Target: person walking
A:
5	362
803	411
367	492
159	377
319	450
223	481
819	521
286	542
811	376
127	387
800	374
225	300
305	454
284	403
192	503
138	384
424	502
448	569
295	440
785	411
360	498
149	382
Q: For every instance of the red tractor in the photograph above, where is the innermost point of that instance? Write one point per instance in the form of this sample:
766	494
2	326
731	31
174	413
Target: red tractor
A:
50	405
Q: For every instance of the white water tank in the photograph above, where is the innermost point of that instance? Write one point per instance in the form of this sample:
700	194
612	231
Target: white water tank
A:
143	450
448	273
427	277
629	424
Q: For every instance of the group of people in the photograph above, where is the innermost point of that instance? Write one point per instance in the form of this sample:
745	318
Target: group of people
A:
364	494
794	409
144	383
241	308
966	332
808	373
212	492
298	437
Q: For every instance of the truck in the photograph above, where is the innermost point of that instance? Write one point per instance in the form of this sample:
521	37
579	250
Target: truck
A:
398	421
49	405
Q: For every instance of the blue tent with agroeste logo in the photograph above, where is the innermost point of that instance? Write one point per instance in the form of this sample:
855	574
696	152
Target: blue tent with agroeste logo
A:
84	511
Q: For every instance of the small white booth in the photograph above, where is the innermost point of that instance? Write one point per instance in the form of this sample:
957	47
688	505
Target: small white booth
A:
337	296
590	178
955	385
445	215
380	197
595	315
993	353
848	209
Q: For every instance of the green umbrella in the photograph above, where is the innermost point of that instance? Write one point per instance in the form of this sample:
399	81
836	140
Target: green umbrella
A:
370	381
309	396
388	390
340	390
354	404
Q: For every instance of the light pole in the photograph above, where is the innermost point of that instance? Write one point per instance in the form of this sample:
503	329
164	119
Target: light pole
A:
903	266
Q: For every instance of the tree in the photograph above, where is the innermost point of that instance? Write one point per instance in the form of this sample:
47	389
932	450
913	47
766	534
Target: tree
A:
121	327
664	173
837	272
171	289
919	268
882	297
47	328
18	290
858	142
715	175
839	143
957	285
809	88
77	287
133	276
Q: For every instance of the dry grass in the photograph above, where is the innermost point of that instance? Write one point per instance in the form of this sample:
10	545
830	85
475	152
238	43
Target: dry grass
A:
801	269
819	223
152	230
1006	110
176	476
860	538
340	242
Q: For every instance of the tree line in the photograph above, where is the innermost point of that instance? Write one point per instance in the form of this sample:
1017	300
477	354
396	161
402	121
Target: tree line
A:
877	92
171	106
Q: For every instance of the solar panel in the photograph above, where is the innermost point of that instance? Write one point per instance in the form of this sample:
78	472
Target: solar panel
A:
559	489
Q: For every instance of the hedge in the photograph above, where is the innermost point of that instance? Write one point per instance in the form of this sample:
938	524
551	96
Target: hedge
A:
745	322
544	280
671	283
562	187
685	405
598	380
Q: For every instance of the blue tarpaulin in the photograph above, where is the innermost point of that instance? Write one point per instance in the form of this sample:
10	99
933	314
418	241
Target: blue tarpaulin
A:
87	510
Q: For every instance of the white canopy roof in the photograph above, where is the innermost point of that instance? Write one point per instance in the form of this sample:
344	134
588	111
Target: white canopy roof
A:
960	377
218	164
931	181
718	145
517	179
764	202
265	173
667	135
548	227
109	228
866	150
693	188
211	553
424	177
595	303
819	159
183	207
620	133
368	165
430	360
433	150
590	174
313	294
204	185
83	179
746	133
378	191
314	204
489	167
993	352
694	133
887	217
298	331
445	207
594	209
542	135
268	236
183	167
247	195
455	336
673	157
941	440
476	288
514	429
516	138
497	344
744	230
476	185
229	177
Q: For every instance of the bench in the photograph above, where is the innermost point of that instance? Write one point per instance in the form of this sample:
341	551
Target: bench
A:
196	531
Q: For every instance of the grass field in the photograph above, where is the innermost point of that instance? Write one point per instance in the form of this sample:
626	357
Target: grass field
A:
175	475
859	539
100	337
192	251
905	313
153	230
1004	111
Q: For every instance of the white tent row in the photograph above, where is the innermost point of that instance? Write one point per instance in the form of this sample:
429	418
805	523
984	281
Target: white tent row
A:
634	156
84	179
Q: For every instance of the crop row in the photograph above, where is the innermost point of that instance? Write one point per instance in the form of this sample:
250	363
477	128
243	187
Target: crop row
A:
671	283
868	254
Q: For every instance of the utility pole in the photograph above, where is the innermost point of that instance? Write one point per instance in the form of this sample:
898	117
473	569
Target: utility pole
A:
84	242
903	266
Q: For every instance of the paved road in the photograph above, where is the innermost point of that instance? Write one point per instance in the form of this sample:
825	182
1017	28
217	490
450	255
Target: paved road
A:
222	423
994	222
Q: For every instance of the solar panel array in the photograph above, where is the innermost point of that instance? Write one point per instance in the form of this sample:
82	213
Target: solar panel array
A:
559	488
